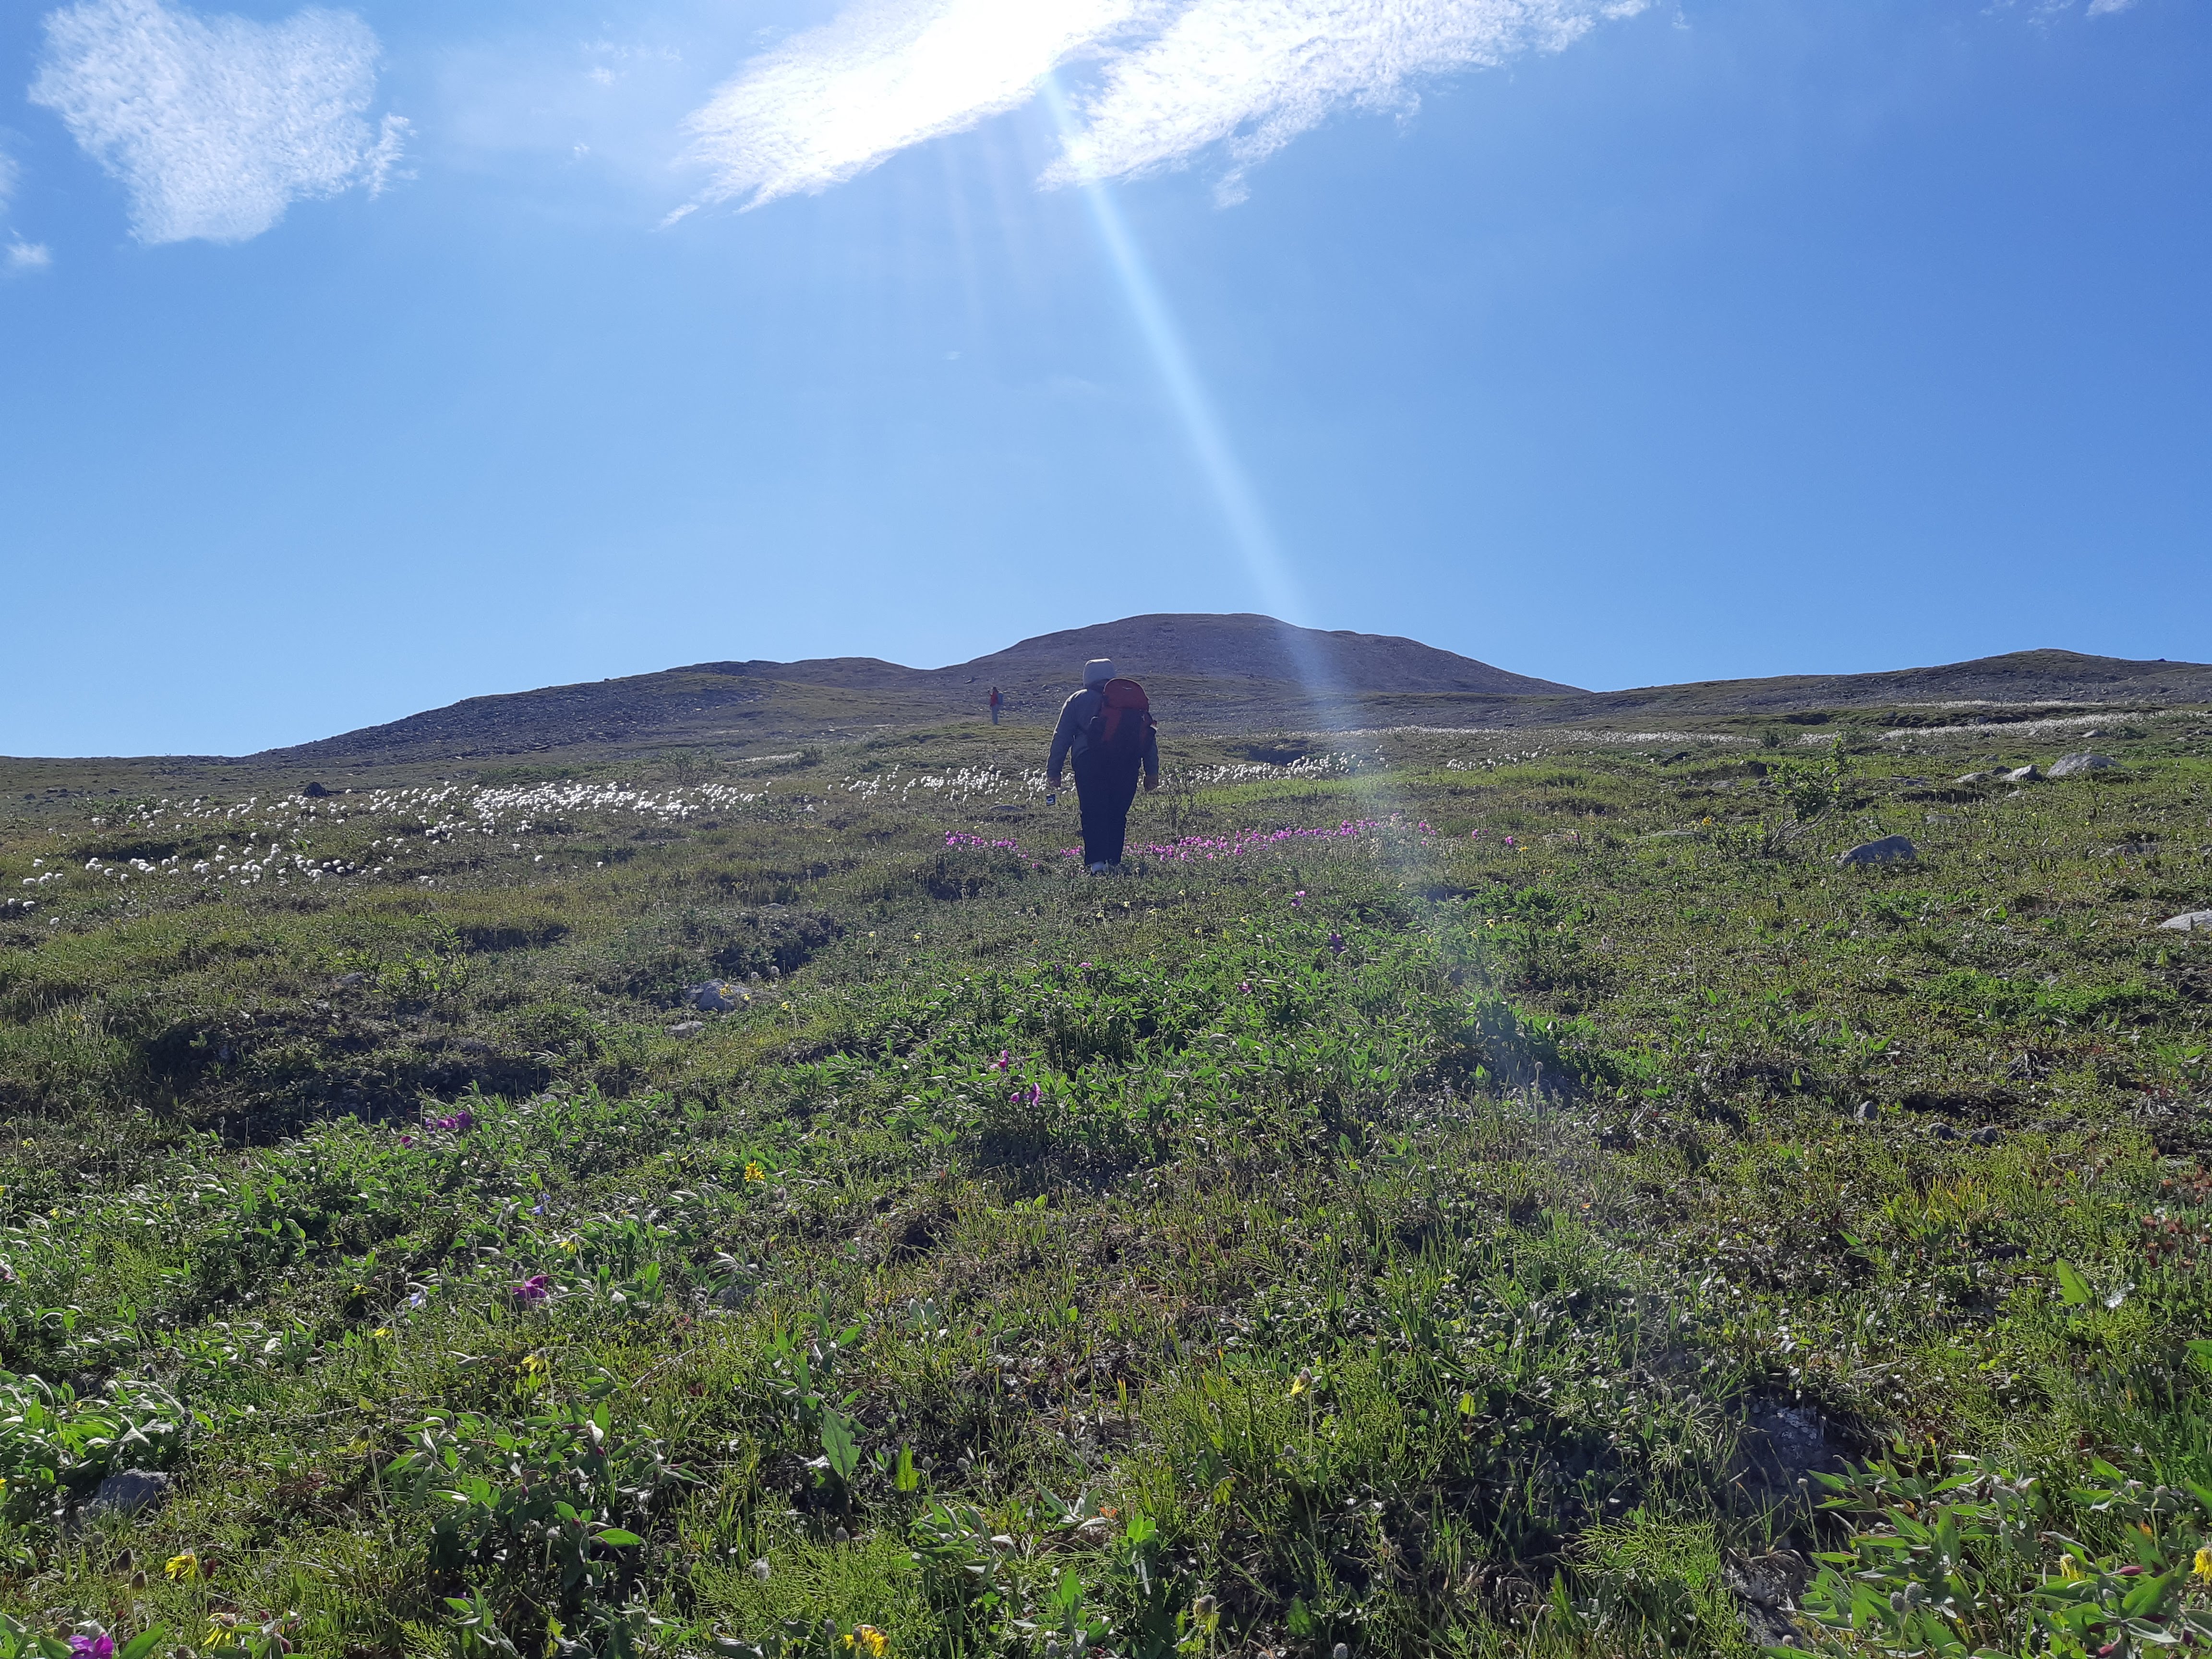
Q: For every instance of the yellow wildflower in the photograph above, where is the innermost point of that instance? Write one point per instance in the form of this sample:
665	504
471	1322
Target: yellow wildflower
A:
382	1331
753	1170
183	1569
536	1367
222	1631
1298	1384
2070	1570
868	1639
2204	1563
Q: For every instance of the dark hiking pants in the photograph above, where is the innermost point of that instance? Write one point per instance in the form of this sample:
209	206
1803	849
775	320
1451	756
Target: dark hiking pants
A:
1105	784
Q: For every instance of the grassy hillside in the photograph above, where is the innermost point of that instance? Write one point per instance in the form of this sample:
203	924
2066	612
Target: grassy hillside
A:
1456	1193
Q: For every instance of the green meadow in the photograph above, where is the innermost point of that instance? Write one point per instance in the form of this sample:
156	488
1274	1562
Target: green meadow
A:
1546	1205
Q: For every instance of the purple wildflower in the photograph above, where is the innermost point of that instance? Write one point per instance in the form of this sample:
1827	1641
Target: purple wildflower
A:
1028	1097
101	1646
1510	842
407	1141
1004	1061
1336	943
1298	899
533	1289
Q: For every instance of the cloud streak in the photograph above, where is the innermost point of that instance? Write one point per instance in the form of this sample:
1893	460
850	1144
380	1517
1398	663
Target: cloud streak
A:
1177	78
1250	76
19	258
831	102
215	125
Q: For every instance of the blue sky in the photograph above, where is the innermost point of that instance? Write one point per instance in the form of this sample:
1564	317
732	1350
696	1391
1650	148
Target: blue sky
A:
362	358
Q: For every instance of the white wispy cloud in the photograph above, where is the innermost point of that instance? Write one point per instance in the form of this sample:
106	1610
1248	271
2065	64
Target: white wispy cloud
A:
20	257
1176	78
217	124
832	101
1252	75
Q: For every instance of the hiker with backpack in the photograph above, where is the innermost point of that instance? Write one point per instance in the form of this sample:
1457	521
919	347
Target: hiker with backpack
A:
1106	732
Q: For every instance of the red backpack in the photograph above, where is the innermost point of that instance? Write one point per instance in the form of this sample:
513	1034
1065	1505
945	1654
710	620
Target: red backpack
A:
1124	719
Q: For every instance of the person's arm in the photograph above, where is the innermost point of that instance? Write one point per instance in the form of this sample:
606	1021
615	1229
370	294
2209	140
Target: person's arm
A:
1062	735
1151	760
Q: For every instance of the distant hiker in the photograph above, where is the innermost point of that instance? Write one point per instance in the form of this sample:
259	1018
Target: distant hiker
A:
995	700
1106	729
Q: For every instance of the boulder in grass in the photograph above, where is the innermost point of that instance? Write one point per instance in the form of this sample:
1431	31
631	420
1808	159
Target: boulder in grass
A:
2189	921
2029	774
2088	761
1889	849
717	996
1972	778
127	1493
687	1028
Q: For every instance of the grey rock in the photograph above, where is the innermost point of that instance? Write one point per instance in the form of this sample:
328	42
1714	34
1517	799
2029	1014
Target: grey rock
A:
1885	851
128	1492
1975	777
1989	1136
687	1028
2088	761
347	982
1781	1449
716	996
2189	921
1766	1587
1944	1132
2028	774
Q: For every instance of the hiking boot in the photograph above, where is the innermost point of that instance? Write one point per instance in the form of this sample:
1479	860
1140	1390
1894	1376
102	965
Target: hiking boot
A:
1099	868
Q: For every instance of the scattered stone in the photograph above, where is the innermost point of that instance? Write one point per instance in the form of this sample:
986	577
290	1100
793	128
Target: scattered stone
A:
473	1046
2028	774
2088	761
1765	1587
1944	1132
347	982
2189	921
716	996
1783	1447
1887	850
127	1493
1975	777
687	1028
1987	1136
1866	1111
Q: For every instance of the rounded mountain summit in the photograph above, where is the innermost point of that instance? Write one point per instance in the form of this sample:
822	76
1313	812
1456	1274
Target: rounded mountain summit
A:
1204	673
